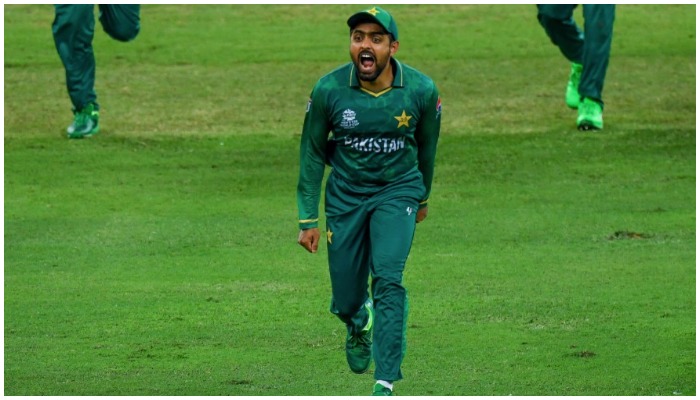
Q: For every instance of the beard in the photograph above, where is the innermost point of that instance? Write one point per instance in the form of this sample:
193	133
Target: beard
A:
371	75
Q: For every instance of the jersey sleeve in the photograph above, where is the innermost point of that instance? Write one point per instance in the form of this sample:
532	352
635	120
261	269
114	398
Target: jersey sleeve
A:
427	134
314	138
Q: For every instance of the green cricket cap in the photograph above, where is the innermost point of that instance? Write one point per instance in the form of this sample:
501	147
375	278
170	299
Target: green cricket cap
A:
377	15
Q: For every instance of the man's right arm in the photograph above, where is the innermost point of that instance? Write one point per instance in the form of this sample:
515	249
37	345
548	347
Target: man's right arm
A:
308	239
314	138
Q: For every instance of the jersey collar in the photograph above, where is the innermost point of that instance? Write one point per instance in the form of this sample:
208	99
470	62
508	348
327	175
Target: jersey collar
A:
398	76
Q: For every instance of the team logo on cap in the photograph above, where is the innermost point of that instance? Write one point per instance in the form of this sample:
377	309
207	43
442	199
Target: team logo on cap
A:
373	11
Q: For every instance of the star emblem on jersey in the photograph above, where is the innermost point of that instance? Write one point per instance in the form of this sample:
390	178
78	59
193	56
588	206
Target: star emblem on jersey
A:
329	236
373	11
403	119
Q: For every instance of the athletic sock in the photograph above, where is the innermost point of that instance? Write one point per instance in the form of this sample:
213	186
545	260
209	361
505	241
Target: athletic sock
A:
386	384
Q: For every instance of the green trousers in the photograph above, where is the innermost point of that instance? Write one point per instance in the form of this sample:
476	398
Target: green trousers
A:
370	231
73	29
591	48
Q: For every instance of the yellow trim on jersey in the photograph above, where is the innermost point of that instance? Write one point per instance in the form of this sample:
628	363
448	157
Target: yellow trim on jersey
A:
307	221
376	94
424	202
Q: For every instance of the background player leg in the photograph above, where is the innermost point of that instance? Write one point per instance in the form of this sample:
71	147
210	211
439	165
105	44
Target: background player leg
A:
121	21
598	28
558	22
73	29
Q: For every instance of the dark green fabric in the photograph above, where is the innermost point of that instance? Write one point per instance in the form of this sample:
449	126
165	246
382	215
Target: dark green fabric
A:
73	30
370	234
590	47
368	144
381	147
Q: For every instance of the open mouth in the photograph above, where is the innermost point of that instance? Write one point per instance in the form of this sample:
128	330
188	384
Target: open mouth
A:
366	60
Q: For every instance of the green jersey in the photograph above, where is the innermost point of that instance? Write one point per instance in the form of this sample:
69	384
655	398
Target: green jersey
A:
369	139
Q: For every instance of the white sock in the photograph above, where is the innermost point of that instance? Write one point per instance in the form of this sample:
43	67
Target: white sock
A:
387	385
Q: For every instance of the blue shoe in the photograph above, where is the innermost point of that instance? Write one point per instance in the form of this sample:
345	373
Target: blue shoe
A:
86	122
358	348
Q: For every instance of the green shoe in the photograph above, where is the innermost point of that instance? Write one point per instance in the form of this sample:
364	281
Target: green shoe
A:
381	390
573	99
85	123
358	348
590	115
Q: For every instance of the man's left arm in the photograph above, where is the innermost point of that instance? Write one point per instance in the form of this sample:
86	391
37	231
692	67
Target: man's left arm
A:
427	133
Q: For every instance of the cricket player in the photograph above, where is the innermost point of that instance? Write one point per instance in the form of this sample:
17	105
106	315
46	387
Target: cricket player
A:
73	29
376	122
588	52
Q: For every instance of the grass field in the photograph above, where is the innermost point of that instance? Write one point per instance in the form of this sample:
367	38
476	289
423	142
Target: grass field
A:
160	257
